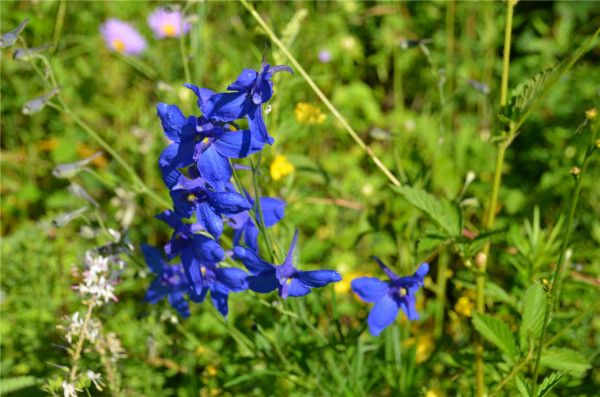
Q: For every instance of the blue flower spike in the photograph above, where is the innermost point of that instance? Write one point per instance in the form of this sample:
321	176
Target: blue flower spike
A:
286	278
389	297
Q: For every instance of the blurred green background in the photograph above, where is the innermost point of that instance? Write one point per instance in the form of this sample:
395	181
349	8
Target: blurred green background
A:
418	108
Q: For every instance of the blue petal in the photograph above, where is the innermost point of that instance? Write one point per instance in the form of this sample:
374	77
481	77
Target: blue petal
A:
234	279
228	106
182	206
383	314
298	288
408	306
176	126
263	283
317	278
209	220
218	295
272	210
173	157
155	292
153	258
422	271
257	125
191	267
251	236
238	144
228	203
245	81
251	261
369	289
207	250
178	302
386	270
198	298
202	93
289	258
238	221
213	166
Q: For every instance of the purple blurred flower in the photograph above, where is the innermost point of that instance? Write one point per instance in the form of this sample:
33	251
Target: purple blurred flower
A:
165	23
324	56
122	37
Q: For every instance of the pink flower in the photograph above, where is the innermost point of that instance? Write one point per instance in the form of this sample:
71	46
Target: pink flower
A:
122	37
165	23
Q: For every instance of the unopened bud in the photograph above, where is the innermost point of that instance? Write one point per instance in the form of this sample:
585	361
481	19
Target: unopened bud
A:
591	114
575	171
480	260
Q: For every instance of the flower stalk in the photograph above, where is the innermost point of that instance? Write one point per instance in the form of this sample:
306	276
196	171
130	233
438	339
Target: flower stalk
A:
491	214
551	296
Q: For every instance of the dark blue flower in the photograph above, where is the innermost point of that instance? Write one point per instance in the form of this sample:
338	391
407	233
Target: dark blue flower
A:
197	195
272	209
246	95
220	281
170	281
397	293
199	141
288	280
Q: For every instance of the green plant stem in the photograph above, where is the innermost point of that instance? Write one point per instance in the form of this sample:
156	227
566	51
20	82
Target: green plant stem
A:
551	295
320	94
260	221
80	340
441	293
182	49
491	215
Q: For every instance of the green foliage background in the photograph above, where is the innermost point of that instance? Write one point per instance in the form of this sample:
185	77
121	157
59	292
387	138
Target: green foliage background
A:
415	108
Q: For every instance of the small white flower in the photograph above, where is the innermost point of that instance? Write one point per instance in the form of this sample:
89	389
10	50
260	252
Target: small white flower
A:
68	389
96	379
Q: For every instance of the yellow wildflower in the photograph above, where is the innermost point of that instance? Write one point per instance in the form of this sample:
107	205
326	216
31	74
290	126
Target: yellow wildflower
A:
464	306
343	286
309	114
424	348
434	393
281	167
591	114
210	370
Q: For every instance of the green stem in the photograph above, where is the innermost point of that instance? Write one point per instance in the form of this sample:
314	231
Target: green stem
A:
320	94
491	215
551	296
260	221
182	49
441	293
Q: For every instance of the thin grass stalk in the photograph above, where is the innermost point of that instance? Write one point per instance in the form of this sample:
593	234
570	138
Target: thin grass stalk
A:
317	90
489	220
551	294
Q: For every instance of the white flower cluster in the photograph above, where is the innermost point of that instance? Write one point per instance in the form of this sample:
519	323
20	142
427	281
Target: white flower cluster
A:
96	278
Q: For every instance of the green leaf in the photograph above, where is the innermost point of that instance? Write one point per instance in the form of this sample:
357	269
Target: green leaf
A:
497	332
550	382
446	215
523	386
564	359
532	318
9	385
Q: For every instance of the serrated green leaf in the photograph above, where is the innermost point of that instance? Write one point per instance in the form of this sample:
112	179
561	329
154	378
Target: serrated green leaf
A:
564	359
446	215
532	317
497	332
9	385
523	387
550	382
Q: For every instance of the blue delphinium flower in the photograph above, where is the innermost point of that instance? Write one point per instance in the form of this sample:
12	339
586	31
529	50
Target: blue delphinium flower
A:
397	293
197	196
170	281
272	210
288	280
247	94
220	281
208	144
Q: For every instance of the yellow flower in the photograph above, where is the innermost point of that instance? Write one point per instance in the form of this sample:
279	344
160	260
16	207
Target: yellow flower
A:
309	114
434	393
281	167
591	114
210	370
464	306
424	346
343	286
